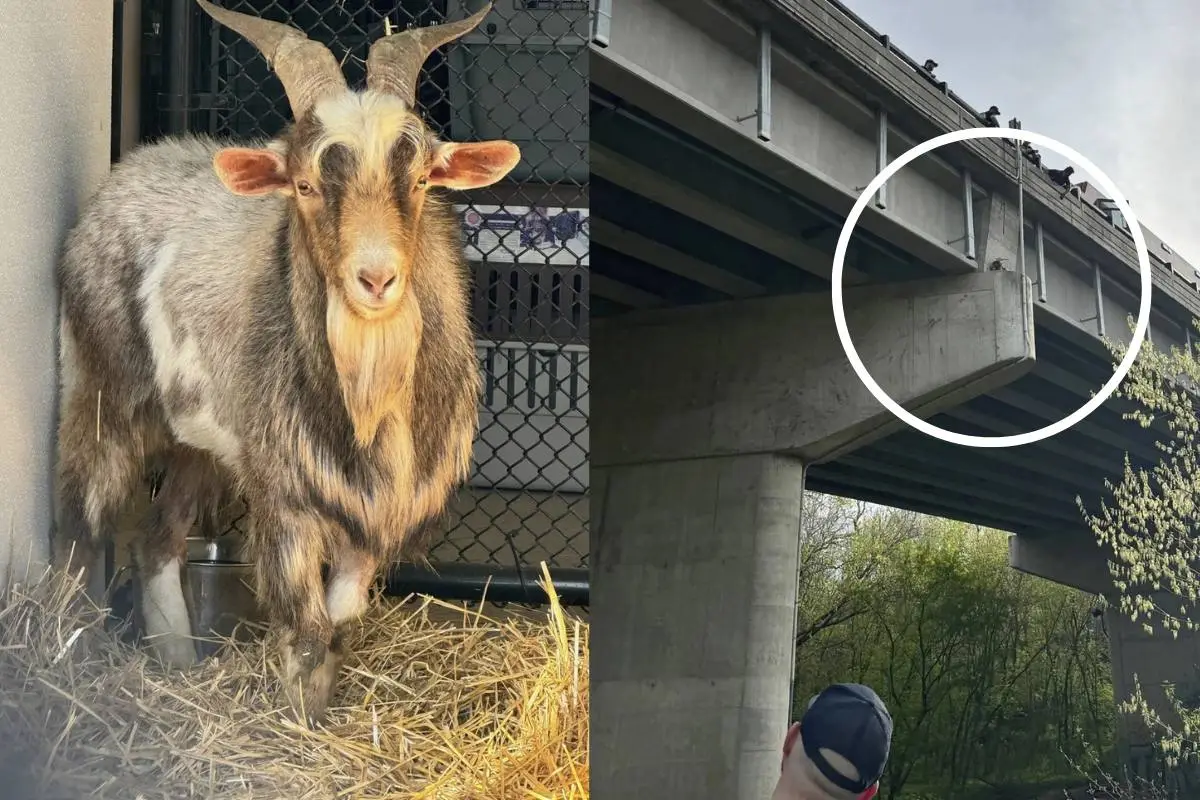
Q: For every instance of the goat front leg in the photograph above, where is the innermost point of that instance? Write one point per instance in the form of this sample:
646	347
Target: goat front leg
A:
290	588
350	576
345	601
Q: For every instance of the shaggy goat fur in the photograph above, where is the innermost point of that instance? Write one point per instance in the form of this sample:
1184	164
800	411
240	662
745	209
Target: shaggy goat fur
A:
214	316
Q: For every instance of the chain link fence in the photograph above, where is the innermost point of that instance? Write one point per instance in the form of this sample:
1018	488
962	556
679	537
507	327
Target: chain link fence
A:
522	76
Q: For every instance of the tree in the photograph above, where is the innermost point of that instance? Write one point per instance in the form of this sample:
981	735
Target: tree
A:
844	543
989	673
1149	520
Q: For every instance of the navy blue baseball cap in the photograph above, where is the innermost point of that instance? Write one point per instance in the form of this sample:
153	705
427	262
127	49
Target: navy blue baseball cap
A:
848	719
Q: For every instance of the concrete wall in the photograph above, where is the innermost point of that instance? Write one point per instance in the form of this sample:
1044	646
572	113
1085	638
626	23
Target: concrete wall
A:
56	59
712	58
1137	656
926	194
769	375
695	575
1070	290
705	417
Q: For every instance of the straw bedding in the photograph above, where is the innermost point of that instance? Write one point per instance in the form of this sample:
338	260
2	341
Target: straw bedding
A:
473	707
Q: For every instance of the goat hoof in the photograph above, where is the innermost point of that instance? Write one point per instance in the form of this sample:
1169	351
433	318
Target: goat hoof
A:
308	653
309	691
309	698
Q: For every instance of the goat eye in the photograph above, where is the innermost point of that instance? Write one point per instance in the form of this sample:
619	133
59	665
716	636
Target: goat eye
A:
305	188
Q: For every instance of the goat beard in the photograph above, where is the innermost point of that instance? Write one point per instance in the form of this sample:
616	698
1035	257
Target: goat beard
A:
375	361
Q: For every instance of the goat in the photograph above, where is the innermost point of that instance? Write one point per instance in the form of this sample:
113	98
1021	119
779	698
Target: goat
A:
289	317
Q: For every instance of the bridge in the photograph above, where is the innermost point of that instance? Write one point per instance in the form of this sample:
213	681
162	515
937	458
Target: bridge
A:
729	140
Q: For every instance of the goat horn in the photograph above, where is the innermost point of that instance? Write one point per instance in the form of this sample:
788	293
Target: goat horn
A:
307	69
394	62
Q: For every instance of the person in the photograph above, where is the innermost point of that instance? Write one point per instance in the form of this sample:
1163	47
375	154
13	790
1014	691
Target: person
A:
838	749
1061	177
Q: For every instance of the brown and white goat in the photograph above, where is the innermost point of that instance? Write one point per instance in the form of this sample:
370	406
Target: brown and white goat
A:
290	318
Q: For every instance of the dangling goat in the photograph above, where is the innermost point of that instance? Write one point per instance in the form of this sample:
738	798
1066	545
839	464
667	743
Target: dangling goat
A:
287	317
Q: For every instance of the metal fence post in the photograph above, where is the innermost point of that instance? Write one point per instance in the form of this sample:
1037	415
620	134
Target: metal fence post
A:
179	64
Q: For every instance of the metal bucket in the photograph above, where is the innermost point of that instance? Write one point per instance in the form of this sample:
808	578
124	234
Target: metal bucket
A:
218	584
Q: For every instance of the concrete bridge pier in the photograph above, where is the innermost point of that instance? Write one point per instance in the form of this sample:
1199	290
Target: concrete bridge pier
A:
706	552
705	419
1137	657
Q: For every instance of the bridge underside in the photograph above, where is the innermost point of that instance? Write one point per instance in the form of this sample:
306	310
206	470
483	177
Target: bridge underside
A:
694	549
675	224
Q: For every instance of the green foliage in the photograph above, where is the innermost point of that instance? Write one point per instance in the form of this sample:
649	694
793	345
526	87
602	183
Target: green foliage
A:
991	675
1149	523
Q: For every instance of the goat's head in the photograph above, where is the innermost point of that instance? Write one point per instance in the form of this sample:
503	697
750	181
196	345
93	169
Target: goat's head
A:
357	165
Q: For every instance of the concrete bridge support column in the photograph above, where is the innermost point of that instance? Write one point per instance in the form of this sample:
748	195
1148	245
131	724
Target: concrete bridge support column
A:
697	574
702	421
1151	659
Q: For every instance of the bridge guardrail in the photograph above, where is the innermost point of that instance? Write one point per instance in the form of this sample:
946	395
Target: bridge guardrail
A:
840	32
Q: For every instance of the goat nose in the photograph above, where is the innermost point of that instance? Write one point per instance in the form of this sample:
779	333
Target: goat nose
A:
377	280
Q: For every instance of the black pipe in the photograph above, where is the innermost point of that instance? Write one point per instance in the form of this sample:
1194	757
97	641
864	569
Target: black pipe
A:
450	581
118	80
179	65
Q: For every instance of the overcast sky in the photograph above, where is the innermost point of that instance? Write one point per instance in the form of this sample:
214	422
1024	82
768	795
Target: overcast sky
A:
1117	80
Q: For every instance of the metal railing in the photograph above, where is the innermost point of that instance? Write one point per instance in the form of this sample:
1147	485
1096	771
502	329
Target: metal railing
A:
897	73
522	76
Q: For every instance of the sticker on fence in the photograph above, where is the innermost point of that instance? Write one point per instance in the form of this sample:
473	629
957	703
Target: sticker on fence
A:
526	234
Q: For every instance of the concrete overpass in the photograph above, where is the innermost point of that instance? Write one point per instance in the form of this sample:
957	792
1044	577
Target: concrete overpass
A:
729	139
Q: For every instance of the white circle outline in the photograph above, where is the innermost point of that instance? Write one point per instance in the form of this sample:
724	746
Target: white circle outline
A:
1013	440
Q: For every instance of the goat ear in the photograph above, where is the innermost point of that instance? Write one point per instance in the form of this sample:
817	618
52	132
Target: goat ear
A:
251	172
473	165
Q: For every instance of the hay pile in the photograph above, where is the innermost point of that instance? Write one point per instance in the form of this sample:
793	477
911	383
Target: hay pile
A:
475	708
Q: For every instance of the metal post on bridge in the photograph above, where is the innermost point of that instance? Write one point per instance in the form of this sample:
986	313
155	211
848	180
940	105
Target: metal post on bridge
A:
881	154
968	214
1021	210
762	111
1099	315
1040	242
764	83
